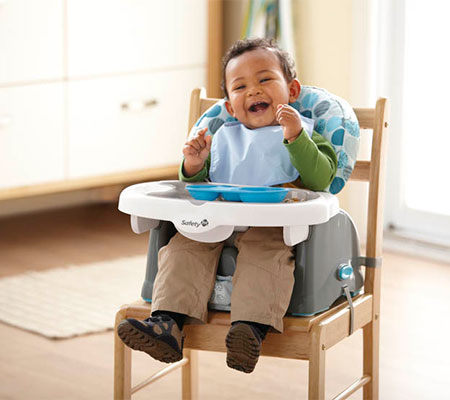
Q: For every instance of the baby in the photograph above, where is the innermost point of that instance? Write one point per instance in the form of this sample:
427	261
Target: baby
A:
269	145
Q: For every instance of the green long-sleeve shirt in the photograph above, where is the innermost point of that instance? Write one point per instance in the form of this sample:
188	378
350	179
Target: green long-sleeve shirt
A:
314	159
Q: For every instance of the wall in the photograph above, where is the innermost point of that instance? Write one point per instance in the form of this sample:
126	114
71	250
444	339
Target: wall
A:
323	30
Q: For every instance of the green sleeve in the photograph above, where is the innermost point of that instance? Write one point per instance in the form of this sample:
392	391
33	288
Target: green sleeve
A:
314	158
201	176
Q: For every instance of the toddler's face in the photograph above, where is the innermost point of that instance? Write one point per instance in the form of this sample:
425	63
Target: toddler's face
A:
256	86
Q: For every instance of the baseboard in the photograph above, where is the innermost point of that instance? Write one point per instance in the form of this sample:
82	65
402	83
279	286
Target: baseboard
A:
402	243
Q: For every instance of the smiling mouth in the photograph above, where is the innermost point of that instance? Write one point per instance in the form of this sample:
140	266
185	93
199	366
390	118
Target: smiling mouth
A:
259	106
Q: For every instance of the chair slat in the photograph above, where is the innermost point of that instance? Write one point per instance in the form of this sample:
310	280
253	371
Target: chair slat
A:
366	117
206	103
361	171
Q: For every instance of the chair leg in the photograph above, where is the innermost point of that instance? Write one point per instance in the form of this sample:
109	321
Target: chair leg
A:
371	338
122	366
189	376
316	385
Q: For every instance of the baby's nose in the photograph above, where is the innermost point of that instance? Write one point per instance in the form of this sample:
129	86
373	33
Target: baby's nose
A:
255	90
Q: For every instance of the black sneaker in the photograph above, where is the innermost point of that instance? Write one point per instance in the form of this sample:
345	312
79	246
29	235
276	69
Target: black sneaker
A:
243	347
157	336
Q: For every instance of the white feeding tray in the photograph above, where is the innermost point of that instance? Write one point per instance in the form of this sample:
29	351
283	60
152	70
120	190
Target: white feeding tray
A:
214	221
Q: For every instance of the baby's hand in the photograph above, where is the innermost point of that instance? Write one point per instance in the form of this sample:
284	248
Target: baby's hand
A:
196	151
289	118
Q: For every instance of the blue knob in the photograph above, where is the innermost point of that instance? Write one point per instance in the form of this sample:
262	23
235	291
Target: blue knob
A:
345	272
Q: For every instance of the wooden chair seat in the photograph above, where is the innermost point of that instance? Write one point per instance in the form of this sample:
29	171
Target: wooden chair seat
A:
286	345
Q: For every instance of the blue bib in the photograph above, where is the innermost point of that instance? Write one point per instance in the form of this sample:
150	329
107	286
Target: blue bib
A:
254	157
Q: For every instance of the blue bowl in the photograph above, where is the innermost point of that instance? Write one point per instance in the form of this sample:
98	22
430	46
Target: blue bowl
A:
231	193
263	194
204	192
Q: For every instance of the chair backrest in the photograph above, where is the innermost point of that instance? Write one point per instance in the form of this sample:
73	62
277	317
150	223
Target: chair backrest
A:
371	171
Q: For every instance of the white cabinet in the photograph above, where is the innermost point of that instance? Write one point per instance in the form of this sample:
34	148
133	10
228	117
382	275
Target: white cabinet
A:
31	134
31	40
126	123
108	36
95	89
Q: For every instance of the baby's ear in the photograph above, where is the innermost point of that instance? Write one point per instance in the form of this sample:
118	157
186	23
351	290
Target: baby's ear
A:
294	90
229	108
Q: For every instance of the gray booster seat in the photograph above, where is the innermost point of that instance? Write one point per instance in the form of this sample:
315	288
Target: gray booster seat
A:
326	244
325	262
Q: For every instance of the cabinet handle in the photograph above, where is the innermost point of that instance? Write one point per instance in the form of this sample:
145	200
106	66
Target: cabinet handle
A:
139	105
5	120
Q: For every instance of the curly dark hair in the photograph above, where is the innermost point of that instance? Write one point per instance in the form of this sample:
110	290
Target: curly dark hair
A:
242	46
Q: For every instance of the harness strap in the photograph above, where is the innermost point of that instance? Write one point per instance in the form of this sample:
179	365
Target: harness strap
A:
352	310
370	262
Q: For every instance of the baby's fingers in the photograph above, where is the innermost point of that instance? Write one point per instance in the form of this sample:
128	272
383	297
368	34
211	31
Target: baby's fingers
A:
202	131
200	134
189	150
195	144
287	113
284	109
208	141
280	112
200	137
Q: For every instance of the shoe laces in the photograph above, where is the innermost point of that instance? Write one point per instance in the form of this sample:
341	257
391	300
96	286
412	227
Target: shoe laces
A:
159	318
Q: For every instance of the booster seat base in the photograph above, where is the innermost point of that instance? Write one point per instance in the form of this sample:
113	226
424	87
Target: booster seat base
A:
324	237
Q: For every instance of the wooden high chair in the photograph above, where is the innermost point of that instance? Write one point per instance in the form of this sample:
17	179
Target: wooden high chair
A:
304	338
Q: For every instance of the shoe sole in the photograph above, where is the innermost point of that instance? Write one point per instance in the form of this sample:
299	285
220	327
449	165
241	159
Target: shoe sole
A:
140	341
243	348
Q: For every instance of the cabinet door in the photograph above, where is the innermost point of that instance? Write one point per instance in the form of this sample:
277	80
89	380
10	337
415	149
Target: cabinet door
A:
110	36
31	40
31	134
128	123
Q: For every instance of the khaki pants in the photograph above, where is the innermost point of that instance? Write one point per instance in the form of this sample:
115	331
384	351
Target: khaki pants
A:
262	282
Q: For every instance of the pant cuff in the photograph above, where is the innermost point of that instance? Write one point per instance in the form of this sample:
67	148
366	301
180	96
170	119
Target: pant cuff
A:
275	323
194	316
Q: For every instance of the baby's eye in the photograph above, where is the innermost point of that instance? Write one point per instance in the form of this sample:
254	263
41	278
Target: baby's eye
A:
265	80
239	87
